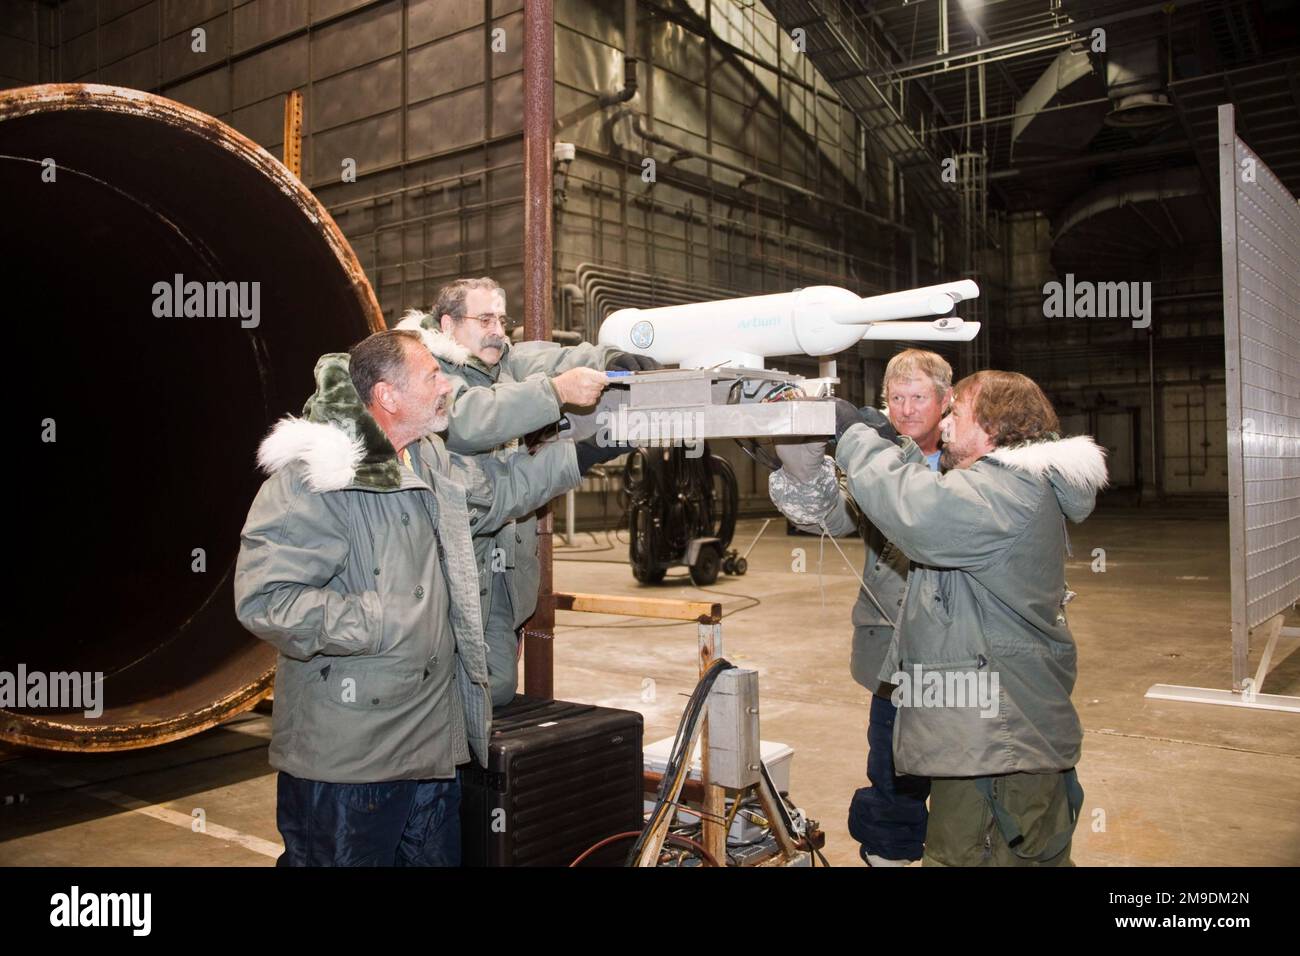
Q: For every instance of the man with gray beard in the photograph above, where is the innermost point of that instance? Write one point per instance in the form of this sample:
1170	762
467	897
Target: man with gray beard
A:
356	564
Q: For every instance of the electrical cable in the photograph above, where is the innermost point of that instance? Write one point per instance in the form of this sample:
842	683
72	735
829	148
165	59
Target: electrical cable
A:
781	392
731	817
893	622
726	521
672	500
758	454
628	834
579	549
679	760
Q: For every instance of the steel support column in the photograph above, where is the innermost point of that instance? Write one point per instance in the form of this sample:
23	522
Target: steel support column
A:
539	122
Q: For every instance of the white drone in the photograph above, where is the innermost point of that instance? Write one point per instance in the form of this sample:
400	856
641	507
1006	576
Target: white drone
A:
721	388
818	321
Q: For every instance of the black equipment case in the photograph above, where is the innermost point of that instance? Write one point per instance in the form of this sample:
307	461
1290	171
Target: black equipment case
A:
560	778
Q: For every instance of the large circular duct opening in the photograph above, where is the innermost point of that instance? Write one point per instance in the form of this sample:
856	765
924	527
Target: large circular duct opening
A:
116	200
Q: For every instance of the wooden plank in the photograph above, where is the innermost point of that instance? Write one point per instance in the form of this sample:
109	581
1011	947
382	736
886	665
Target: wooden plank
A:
701	612
772	811
713	834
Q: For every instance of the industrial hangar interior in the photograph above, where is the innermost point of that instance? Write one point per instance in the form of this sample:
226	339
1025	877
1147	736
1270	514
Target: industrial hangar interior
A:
765	238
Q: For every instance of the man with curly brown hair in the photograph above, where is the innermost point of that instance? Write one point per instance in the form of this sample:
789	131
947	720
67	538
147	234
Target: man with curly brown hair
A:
982	658
888	817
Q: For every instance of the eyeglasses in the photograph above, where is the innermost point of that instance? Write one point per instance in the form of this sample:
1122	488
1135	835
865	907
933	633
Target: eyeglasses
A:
488	319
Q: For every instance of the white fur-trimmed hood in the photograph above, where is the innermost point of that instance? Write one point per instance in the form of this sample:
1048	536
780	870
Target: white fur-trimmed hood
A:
1079	460
1075	467
330	455
442	345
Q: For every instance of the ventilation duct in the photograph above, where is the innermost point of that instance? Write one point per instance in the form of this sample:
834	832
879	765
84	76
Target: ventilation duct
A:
136	506
1135	85
1046	132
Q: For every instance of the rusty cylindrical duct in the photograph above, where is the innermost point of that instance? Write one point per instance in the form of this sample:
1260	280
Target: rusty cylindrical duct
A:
136	506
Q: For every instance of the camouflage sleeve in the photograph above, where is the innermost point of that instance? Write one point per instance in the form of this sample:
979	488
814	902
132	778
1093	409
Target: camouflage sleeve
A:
810	505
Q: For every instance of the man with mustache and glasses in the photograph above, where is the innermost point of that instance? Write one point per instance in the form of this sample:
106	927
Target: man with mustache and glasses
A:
502	392
889	817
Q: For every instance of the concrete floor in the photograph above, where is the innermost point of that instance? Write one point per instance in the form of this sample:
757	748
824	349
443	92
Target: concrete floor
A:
1167	784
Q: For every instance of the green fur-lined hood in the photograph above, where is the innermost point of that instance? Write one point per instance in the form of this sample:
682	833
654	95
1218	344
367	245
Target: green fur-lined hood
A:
336	439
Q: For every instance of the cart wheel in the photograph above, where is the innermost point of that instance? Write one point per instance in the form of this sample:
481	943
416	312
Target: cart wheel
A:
741	565
728	565
648	575
705	569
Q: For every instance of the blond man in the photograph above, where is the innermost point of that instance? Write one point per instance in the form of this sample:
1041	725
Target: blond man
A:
888	818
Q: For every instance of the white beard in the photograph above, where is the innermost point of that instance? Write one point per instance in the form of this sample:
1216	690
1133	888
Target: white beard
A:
439	417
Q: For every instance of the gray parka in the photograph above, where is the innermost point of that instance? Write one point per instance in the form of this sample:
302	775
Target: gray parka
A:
986	594
824	506
492	408
359	572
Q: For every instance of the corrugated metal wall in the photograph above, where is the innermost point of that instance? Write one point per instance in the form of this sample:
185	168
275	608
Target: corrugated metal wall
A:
422	100
780	120
403	98
416	95
26	43
1261	276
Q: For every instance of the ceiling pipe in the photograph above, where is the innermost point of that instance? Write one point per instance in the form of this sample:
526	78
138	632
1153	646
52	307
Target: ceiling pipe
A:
1145	187
629	58
640	129
1068	30
1092	159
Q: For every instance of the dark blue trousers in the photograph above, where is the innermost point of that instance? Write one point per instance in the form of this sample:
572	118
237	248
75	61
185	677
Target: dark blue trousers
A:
397	823
888	818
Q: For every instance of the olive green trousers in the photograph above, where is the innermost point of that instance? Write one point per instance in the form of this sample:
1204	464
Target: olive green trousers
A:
1017	819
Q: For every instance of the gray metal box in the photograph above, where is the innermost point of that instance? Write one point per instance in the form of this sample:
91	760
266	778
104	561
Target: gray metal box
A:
734	759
